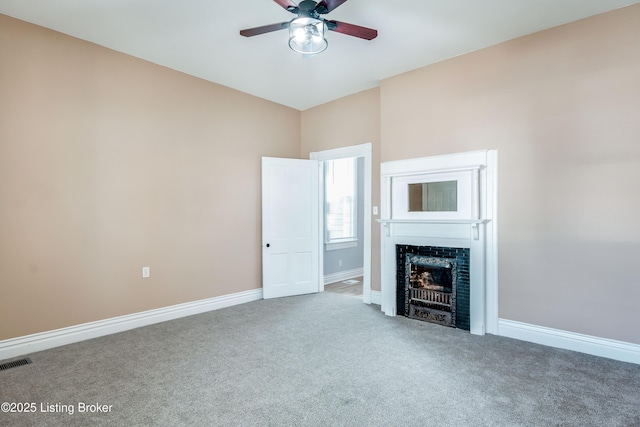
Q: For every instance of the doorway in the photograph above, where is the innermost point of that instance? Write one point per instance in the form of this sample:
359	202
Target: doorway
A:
364	155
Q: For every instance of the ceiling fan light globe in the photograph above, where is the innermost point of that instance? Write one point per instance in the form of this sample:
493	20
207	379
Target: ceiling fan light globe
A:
306	35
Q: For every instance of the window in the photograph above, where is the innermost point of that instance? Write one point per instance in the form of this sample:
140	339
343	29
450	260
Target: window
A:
340	202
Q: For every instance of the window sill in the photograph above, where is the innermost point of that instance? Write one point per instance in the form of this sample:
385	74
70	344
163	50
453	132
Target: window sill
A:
340	245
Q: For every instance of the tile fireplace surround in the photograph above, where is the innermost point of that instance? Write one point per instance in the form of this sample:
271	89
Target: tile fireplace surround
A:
472	225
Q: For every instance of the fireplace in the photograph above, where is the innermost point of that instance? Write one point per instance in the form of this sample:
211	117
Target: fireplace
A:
433	284
438	218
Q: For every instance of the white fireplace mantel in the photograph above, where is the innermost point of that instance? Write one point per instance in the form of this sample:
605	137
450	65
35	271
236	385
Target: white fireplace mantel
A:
474	223
475	227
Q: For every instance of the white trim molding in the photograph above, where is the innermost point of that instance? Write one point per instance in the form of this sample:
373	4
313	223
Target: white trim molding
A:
376	297
343	275
366	151
45	340
603	347
474	227
341	245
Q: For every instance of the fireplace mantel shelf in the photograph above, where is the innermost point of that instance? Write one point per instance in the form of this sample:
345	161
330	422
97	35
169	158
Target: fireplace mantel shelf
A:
474	223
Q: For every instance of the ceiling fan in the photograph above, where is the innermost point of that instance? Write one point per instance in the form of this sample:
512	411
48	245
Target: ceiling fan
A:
307	31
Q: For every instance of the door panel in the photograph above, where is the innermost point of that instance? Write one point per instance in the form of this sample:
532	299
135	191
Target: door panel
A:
290	231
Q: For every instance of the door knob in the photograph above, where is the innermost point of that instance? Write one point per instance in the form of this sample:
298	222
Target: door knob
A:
268	245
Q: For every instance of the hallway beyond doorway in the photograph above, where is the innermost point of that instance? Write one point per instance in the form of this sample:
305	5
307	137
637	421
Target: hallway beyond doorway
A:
346	287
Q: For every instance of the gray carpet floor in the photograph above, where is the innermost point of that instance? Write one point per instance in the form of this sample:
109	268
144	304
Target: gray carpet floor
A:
318	360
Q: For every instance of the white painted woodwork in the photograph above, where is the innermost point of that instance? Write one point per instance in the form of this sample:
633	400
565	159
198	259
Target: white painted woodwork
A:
474	226
40	341
467	202
362	150
290	232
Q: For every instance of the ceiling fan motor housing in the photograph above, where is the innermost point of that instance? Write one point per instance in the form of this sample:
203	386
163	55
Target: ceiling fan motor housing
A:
311	9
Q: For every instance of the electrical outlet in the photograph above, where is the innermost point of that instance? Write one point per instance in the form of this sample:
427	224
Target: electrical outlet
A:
339	263
145	272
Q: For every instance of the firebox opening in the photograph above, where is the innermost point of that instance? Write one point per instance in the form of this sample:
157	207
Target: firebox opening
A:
432	284
431	290
431	287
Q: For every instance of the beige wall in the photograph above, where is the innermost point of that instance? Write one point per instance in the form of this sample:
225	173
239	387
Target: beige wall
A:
108	164
563	108
351	120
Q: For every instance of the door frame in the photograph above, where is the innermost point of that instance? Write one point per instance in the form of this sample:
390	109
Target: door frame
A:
362	150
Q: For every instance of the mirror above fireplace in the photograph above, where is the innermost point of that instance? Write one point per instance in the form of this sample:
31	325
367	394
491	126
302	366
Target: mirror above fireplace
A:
433	196
449	195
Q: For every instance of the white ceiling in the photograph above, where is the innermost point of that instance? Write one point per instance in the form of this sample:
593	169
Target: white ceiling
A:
200	37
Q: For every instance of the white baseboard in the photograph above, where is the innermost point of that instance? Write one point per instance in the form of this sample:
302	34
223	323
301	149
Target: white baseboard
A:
343	275
376	297
603	347
45	340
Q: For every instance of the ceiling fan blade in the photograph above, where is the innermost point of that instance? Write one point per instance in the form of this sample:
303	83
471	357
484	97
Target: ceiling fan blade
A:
326	6
249	32
287	4
352	30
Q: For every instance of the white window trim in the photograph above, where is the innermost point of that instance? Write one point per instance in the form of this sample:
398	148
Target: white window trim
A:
341	245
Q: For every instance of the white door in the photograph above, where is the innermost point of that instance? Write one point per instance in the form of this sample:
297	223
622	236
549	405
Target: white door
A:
290	227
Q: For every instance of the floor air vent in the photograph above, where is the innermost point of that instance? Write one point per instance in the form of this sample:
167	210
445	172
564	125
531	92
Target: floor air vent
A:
14	363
